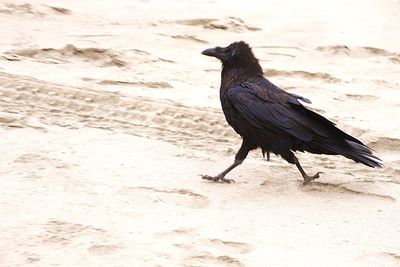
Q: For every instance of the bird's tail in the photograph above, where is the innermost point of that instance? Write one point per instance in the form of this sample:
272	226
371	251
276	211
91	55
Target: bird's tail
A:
361	153
335	141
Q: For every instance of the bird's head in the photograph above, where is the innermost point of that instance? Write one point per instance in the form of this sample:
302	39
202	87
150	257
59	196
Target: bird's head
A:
236	55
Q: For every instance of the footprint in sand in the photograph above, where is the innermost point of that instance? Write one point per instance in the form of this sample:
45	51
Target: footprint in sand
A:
215	252
34	165
65	234
205	251
61	232
207	260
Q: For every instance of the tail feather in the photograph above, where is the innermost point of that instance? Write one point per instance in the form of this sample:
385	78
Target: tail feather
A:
332	140
362	154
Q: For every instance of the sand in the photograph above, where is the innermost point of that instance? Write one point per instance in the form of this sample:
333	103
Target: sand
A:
109	114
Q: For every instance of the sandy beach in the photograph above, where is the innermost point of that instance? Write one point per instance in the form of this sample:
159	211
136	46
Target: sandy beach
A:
109	114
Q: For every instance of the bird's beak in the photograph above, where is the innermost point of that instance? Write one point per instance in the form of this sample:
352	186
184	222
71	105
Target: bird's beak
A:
214	52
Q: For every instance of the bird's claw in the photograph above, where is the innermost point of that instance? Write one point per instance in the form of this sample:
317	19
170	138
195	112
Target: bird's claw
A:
217	179
308	179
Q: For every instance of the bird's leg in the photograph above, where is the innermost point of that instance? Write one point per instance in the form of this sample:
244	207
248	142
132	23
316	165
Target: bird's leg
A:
239	158
307	178
221	176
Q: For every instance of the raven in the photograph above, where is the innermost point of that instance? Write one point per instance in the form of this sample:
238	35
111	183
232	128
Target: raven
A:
274	120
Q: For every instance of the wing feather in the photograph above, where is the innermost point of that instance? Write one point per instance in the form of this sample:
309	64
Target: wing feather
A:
269	107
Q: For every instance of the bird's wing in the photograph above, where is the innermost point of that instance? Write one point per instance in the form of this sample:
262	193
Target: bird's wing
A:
270	92
264	105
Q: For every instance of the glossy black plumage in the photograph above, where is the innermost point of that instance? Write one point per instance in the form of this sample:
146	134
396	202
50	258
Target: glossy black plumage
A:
273	119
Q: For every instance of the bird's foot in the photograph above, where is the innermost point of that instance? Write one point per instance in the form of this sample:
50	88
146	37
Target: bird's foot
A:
217	179
308	179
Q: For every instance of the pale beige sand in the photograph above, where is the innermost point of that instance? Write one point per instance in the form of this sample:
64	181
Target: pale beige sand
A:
108	114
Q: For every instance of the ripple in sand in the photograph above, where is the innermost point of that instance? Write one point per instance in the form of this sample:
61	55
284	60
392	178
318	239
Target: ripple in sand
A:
60	10
157	85
234	247
391	255
15	9
382	259
22	9
302	74
99	56
11	119
385	143
340	188
181	197
334	49
362	97
188	37
140	116
228	24
195	22
395	58
360	52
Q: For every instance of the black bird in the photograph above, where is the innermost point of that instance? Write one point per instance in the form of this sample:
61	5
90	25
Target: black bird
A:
274	120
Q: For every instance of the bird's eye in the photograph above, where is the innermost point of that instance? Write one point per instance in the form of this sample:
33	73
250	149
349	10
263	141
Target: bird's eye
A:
233	52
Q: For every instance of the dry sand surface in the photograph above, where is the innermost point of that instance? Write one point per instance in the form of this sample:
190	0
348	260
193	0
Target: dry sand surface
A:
108	114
